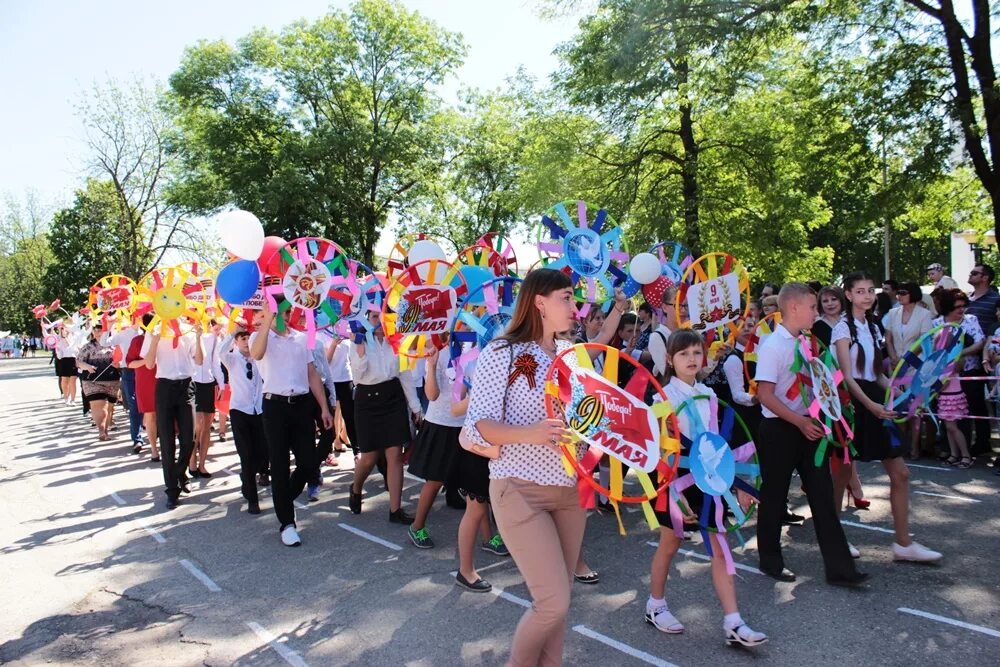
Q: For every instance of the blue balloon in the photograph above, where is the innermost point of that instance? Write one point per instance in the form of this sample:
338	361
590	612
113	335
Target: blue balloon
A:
475	277
237	281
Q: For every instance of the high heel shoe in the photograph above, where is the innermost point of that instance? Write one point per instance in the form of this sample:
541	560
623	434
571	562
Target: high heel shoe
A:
860	503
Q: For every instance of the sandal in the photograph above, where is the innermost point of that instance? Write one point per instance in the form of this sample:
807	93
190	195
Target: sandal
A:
950	461
588	578
965	462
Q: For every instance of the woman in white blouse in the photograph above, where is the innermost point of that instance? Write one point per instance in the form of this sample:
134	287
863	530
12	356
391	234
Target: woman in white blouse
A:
905	324
385	401
534	499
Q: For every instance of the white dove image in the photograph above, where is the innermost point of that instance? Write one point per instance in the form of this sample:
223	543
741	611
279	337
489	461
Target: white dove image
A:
710	460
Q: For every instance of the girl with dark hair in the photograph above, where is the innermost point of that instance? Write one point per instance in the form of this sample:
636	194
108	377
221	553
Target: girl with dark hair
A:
534	499
857	340
685	357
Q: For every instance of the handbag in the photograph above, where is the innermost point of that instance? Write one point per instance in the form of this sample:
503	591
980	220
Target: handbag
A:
465	438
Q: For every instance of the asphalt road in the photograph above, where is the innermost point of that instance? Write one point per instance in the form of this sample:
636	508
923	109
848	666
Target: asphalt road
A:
93	570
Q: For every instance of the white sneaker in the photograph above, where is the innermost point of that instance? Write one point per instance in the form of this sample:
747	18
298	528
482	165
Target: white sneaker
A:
916	552
660	618
290	537
744	635
854	550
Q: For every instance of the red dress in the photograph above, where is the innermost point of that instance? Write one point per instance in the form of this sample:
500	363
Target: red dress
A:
145	378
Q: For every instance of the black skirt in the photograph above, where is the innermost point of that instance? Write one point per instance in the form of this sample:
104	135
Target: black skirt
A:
434	452
871	439
66	367
204	397
381	416
694	498
472	475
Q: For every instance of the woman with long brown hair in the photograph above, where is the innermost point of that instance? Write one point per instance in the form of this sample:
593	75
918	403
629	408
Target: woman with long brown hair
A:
534	500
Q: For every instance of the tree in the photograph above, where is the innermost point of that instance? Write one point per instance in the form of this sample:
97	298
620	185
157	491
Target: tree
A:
975	98
127	134
24	259
88	241
325	128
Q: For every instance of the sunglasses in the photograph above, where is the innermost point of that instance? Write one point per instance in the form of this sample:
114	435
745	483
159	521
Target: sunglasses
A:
249	371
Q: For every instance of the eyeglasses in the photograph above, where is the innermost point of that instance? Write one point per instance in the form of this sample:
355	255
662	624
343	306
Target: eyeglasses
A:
249	371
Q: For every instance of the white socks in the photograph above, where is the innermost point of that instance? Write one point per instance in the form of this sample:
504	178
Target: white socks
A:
732	621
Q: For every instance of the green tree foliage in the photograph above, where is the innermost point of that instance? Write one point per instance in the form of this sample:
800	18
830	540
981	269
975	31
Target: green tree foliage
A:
89	240
324	128
24	259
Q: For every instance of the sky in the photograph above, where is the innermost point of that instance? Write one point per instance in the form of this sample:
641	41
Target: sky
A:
53	50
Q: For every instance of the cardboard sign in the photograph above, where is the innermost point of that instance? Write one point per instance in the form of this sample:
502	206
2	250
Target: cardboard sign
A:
614	421
425	309
114	298
715	302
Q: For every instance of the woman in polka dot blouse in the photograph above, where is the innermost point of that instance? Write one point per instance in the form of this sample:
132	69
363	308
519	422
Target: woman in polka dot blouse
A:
534	500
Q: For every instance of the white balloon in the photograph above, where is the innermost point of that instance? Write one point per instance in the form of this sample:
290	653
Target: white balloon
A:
241	234
644	268
423	250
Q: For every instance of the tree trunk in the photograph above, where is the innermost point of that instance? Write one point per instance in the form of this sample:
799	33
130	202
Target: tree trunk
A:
689	171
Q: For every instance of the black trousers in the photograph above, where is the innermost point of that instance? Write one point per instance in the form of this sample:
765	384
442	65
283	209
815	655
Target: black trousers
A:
251	446
324	443
783	448
174	406
345	399
975	395
289	428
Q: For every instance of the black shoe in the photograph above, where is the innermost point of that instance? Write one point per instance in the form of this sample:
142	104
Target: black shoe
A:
205	475
172	502
856	580
354	502
253	507
784	575
193	473
155	459
184	487
791	519
400	516
478	586
136	447
263	479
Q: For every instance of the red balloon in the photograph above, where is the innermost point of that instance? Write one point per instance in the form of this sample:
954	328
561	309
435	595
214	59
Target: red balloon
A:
272	244
654	291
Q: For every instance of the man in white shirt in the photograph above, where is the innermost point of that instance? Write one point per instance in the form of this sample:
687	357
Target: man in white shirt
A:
175	360
122	340
338	353
245	409
291	385
935	273
788	441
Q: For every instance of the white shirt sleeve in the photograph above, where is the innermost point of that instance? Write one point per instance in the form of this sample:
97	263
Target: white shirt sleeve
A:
734	376
840	332
658	352
768	364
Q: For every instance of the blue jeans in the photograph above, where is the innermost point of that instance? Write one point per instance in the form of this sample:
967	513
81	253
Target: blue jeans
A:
128	392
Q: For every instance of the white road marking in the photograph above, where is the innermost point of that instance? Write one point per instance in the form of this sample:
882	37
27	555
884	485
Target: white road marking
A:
368	536
121	501
867	527
942	495
483	569
950	621
938	468
704	556
647	658
155	534
300	505
510	597
290	656
199	575
413	477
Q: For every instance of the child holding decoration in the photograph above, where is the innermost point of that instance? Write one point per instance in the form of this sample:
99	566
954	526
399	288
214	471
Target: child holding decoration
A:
858	343
789	438
685	356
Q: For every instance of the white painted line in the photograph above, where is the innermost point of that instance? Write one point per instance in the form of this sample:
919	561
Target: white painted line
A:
300	505
199	575
121	501
155	534
938	468
951	621
867	527
368	536
510	597
647	658
290	656
704	556
942	495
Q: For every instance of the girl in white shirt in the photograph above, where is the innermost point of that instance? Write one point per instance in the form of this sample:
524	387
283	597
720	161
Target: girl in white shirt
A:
857	341
685	357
